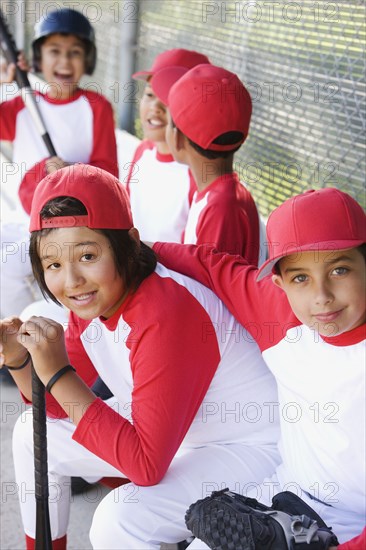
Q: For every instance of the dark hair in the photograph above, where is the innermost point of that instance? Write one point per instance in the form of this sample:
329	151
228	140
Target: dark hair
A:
228	138
361	249
134	262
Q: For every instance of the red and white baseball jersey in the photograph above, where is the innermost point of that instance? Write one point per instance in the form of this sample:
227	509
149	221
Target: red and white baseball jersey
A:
81	129
183	372
160	191
321	380
225	216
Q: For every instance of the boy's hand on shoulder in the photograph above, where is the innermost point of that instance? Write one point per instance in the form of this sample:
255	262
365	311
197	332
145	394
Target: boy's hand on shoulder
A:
55	163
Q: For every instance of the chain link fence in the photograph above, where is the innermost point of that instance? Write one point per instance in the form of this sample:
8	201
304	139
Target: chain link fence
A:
303	63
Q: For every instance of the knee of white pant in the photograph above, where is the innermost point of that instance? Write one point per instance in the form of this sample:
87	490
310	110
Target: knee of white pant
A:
102	526
198	545
121	522
23	447
23	433
107	522
45	309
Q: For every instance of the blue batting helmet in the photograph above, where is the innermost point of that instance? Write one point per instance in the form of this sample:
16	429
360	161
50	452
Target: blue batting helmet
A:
65	21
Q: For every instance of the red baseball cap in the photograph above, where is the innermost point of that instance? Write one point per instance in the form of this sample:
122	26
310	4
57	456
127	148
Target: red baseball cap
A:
205	102
323	219
103	196
176	57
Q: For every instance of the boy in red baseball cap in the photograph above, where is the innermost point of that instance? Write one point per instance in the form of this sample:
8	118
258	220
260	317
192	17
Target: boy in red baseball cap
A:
160	189
170	352
310	326
210	111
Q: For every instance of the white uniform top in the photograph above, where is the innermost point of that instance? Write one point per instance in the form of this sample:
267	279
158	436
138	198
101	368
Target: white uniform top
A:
81	129
160	191
182	372
321	380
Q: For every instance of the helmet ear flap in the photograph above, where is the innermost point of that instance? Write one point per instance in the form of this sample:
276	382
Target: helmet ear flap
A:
37	65
36	62
90	58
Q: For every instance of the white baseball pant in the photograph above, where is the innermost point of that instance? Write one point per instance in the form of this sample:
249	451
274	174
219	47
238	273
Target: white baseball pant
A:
132	517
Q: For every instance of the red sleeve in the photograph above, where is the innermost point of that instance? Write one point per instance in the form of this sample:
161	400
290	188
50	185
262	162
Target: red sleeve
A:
8	117
226	226
104	153
168	388
262	308
358	543
29	183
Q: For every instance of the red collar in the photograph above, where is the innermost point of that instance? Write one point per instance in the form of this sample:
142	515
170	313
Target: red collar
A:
56	101
161	157
349	338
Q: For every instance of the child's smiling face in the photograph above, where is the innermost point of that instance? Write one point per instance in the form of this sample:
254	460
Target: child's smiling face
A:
62	64
80	271
326	290
153	114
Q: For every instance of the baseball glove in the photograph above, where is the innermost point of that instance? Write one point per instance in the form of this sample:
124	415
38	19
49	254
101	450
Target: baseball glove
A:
229	521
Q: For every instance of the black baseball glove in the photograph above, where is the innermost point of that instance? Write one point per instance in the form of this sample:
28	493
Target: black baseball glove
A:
229	521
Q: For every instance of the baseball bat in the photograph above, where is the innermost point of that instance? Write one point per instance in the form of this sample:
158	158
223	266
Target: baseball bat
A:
43	540
10	52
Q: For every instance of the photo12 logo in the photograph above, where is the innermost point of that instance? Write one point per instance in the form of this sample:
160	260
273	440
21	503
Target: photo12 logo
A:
32	12
270	12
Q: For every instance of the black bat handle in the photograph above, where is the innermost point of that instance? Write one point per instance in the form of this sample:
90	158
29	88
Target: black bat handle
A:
21	78
48	143
43	540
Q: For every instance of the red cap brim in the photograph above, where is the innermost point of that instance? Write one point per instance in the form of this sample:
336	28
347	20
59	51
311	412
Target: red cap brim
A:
163	81
142	75
267	267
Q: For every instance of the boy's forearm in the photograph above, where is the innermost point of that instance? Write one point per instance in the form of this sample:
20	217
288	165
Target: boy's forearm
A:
73	395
